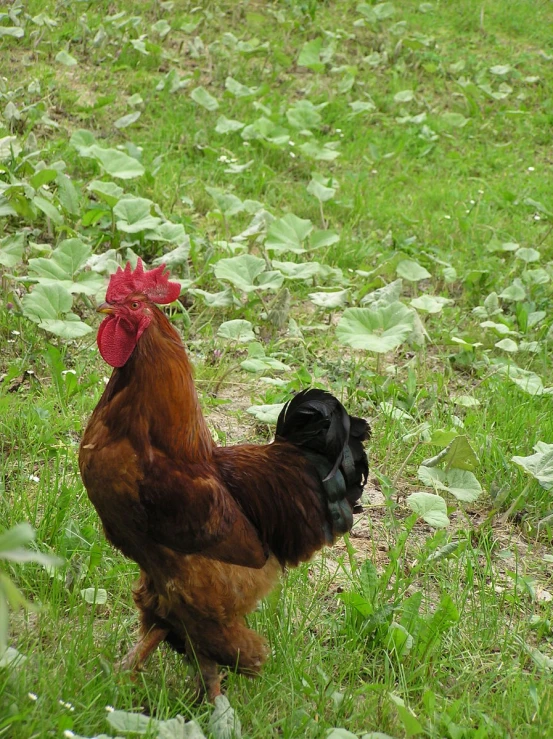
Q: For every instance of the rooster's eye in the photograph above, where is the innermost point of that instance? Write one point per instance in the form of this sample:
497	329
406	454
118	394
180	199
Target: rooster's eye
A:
135	305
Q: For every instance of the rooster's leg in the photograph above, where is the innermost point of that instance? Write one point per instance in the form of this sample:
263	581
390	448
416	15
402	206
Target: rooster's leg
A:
208	679
138	655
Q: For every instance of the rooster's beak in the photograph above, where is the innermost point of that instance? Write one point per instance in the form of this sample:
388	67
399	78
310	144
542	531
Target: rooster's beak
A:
104	308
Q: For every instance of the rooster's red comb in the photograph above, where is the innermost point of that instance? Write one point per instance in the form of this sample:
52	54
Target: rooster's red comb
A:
153	283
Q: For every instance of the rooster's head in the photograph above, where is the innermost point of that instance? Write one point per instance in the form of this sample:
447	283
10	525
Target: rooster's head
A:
129	309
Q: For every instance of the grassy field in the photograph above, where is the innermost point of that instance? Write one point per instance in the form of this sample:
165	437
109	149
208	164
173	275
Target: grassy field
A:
355	196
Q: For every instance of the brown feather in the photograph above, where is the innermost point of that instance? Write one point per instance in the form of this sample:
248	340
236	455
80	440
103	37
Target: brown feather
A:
209	526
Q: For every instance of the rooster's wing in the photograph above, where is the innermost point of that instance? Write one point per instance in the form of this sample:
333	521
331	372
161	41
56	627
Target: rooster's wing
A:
189	509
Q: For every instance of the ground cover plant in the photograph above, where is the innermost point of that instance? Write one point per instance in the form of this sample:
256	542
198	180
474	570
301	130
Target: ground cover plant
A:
355	196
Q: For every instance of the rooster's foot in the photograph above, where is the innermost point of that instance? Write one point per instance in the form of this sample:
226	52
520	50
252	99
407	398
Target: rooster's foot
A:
137	656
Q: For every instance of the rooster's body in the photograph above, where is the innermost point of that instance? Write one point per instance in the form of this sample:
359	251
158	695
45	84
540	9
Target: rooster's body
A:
210	527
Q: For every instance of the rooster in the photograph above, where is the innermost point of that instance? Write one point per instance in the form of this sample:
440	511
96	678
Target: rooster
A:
210	527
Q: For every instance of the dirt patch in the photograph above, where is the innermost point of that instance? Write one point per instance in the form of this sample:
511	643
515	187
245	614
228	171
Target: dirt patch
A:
72	80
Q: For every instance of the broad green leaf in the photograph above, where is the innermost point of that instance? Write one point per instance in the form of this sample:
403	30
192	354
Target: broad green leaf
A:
500	69
178	728
330	300
13	31
49	306
201	96
361	106
501	93
304	115
450	274
43	177
11	250
9	146
238	89
222	299
322	238
492	304
271	280
382	296
466	401
389	409
514	292
432	508
507	345
530	346
528	255
500	328
321	152
458	453
173	233
227	125
109	192
310	55
262	364
223	722
6	209
537	276
227	202
71	255
174	257
116	163
97	596
49	209
134	215
140	46
526	380
127	120
16	537
443	437
412	271
541	660
404	96
434	477
10	657
357	601
539	465
430	303
321	187
383	10
495	245
266	413
455	120
463	485
131	723
47	302
288	234
378	330
161	27
71	327
241	271
266	130
398	639
63	57
83	140
340	734
68	195
105	263
237	330
295	271
88	283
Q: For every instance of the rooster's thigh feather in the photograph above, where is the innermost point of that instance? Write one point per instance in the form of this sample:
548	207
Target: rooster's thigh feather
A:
204	609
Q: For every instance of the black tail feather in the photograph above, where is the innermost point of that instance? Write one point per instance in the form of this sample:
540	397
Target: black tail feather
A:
332	440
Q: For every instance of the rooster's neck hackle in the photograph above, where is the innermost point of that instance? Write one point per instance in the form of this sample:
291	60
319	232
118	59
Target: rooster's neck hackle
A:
157	386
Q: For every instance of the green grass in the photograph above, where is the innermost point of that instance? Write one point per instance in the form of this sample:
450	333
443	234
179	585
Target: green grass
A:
413	182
